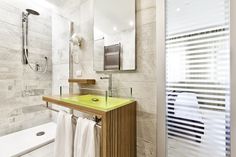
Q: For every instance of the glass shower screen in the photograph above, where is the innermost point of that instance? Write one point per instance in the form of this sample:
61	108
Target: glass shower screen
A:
198	78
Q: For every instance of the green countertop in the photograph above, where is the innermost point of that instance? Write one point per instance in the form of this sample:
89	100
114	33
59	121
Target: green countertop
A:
97	102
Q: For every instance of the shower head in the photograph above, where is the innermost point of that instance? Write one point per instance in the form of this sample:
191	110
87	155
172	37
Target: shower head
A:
33	12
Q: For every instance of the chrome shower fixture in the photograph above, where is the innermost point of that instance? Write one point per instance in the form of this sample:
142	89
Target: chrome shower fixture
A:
33	12
27	13
25	50
25	16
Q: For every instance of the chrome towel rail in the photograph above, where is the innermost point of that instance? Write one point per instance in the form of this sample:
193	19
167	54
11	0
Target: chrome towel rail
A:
95	118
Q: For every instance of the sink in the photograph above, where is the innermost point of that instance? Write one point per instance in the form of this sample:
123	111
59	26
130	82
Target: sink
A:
97	102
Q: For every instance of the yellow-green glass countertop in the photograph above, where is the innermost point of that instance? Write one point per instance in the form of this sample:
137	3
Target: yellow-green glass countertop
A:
97	102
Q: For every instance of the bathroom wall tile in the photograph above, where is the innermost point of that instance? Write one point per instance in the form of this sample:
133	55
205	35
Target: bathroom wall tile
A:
86	67
144	4
7	7
139	87
145	148
30	109
10	13
10	71
146	16
85	30
10	55
32	92
21	89
146	38
18	121
44	44
85	51
146	120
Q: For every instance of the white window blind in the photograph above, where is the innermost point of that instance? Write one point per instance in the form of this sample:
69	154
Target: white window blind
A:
198	78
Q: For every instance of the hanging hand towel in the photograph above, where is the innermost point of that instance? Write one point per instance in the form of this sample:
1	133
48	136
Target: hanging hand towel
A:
86	141
64	136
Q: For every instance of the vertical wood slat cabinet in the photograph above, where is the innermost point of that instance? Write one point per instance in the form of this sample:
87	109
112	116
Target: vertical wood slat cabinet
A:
119	132
118	126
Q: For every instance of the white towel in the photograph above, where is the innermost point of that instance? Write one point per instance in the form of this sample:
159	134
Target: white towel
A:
64	135
187	101
86	142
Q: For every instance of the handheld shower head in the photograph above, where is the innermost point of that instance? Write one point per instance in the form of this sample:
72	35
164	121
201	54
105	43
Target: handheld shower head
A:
33	12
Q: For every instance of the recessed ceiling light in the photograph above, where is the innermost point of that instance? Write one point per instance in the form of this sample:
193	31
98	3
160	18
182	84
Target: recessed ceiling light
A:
114	28
178	9
131	23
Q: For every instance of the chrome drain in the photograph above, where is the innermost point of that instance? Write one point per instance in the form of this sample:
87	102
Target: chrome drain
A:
41	133
95	99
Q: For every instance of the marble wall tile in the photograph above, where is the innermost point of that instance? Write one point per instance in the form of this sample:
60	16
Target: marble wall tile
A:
145	148
146	38
141	4
146	16
22	89
19	121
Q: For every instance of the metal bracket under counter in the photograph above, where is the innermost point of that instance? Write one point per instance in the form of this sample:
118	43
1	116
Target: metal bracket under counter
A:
95	118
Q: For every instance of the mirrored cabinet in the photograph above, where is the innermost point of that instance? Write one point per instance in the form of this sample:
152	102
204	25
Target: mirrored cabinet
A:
114	35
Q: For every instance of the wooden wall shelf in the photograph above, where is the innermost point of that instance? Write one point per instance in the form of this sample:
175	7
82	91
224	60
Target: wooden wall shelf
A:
83	81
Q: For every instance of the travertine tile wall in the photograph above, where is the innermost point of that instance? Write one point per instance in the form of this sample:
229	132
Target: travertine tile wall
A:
21	89
143	80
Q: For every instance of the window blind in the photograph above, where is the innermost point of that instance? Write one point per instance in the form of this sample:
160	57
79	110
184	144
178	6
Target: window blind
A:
198	78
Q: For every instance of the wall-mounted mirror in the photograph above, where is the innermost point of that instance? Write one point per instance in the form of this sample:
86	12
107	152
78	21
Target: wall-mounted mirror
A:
114	35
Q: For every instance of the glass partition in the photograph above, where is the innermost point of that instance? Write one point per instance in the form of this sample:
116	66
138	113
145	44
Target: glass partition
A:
198	78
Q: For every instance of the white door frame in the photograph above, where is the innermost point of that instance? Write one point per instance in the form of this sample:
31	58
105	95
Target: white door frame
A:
161	81
233	75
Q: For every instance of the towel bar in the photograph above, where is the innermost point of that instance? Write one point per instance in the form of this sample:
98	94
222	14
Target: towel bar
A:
95	118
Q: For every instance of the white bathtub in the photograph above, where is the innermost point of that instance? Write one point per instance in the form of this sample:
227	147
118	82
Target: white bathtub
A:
22	142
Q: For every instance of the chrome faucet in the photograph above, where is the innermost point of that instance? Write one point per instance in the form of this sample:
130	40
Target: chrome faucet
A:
109	78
